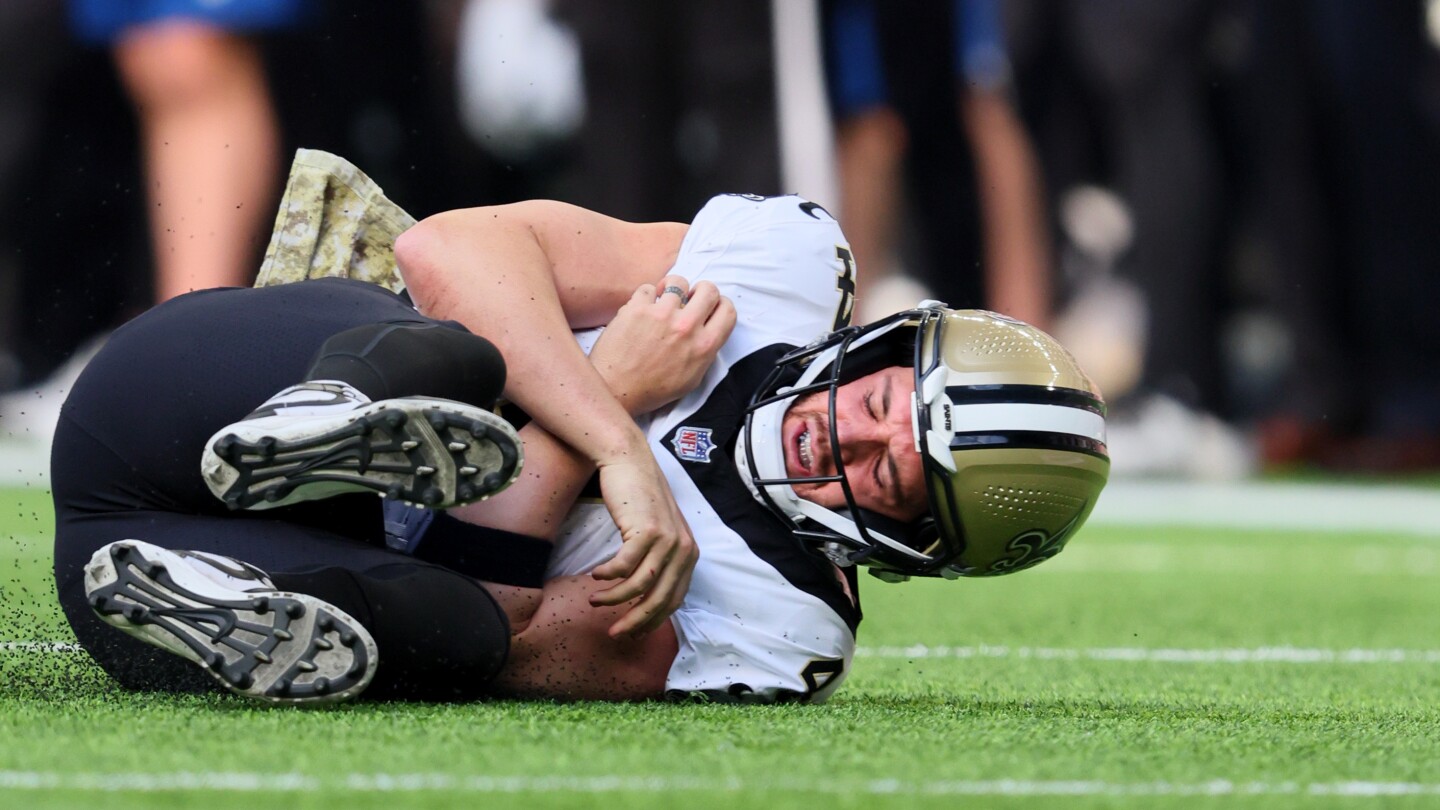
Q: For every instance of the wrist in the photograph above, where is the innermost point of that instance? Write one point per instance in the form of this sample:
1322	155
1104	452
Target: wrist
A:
624	444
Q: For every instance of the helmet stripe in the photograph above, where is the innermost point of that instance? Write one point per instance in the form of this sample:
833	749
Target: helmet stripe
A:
1029	440
1027	417
1037	394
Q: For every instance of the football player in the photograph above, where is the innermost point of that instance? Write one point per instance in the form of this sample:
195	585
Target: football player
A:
933	443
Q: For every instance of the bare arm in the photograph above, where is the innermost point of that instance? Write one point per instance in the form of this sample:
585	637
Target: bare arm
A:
524	275
559	647
1017	247
655	350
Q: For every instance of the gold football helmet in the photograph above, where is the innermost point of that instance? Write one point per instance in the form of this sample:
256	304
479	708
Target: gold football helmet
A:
1010	430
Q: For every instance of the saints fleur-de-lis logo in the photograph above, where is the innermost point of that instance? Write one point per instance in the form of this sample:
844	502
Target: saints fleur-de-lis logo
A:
1031	548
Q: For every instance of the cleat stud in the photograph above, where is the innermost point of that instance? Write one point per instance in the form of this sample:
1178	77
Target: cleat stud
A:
244	681
493	481
480	431
321	686
394	491
458	447
469	470
266	446
348	638
281	688
283	635
323	644
424	470
134	612
260	604
465	492
294	610
120	552
438	420
225	446
305	666
325	623
154	570
261	656
409	445
395	419
275	493
432	496
214	660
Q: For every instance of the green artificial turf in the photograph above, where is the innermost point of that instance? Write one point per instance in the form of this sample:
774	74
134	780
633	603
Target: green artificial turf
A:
1051	688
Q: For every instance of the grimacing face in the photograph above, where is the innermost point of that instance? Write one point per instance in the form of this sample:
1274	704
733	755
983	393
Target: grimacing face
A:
877	445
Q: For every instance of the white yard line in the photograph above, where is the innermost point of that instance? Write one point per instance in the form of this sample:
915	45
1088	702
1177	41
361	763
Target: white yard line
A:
1255	655
1158	655
233	781
1381	509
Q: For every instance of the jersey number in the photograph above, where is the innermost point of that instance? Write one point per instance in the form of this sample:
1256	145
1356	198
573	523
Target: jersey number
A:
845	283
819	673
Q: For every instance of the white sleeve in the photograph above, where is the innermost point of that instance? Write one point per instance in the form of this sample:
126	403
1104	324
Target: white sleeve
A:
783	262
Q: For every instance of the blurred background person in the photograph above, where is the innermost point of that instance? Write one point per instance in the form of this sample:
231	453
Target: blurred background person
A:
210	154
1343	118
931	148
32	55
209	137
1119	94
679	105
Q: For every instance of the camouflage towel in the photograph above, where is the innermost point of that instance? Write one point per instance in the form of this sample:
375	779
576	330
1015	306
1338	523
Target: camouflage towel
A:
333	222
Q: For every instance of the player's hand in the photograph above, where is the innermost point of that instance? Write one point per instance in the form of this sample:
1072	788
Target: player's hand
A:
658	346
657	552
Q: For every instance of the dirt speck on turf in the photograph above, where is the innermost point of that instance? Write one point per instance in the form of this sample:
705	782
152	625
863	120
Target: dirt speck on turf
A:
39	659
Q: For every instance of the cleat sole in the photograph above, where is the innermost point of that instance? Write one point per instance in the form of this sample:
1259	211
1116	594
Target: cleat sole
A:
264	646
432	452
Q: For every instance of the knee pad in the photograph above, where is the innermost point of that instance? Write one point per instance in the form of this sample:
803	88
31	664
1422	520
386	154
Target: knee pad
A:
432	359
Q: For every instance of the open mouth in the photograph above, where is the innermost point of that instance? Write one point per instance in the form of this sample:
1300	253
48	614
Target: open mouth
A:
803	456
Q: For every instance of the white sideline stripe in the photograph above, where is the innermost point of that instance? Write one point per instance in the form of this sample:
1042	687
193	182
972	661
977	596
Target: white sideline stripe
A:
1257	505
1161	655
420	782
1256	655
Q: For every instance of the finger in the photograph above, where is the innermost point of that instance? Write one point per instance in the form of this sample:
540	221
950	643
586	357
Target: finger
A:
635	546
623	564
703	299
641	580
643	294
723	315
677	286
659	602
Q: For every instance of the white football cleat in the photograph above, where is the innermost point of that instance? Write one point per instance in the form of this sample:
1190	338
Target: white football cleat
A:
324	438
227	617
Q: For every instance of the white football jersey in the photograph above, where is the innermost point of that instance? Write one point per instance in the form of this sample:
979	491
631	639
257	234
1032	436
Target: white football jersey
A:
764	619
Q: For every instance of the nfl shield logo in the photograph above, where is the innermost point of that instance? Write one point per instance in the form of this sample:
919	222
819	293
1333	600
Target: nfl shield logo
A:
693	444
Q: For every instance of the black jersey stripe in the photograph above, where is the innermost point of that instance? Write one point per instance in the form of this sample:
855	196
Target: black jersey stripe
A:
719	481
